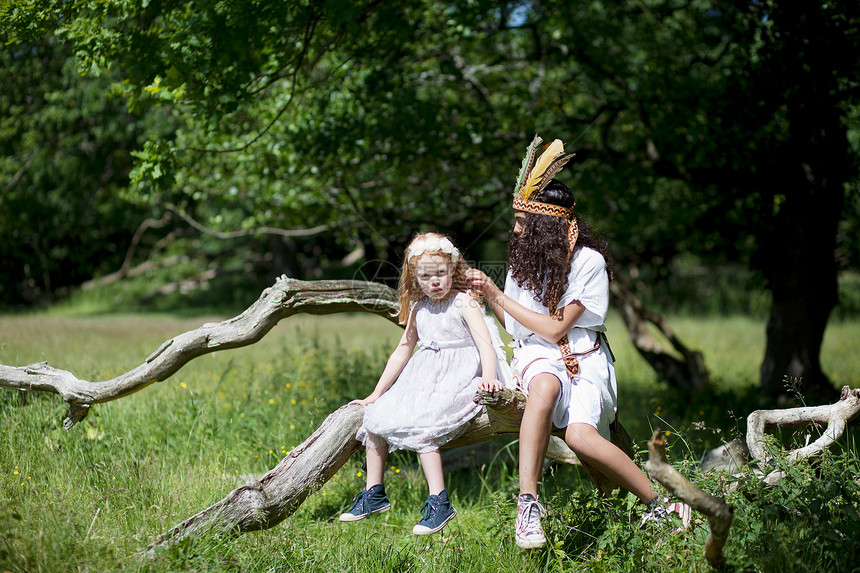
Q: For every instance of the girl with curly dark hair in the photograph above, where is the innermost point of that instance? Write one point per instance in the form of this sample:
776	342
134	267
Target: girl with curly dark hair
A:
554	304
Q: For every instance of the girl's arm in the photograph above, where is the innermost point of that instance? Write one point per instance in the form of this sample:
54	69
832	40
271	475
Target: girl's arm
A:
550	328
396	362
474	318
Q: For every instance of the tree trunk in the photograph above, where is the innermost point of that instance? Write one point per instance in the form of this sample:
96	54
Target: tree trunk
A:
687	373
799	252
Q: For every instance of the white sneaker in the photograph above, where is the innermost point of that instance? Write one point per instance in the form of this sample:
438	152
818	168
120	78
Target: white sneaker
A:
658	510
528	531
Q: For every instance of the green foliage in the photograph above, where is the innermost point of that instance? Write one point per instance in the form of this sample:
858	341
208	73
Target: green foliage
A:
383	118
809	516
720	132
64	163
380	118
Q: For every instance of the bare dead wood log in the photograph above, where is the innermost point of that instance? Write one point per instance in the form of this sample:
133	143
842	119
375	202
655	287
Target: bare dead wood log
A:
268	501
729	457
688	373
834	416
263	503
719	513
285	298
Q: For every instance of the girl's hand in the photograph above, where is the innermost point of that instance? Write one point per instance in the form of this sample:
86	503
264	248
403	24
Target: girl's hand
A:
481	283
369	400
489	385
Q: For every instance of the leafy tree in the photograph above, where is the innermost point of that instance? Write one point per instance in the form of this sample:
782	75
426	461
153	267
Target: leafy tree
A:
718	128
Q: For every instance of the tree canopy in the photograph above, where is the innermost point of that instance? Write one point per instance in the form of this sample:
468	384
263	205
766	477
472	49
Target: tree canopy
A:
724	130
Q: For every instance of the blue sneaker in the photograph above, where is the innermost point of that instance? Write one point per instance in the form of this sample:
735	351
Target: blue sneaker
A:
368	501
437	512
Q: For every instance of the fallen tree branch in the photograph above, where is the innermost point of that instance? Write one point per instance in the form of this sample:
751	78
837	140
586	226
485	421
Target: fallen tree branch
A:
275	496
835	416
719	513
264	503
285	298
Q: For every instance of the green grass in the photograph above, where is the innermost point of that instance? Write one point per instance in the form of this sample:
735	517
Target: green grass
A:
91	498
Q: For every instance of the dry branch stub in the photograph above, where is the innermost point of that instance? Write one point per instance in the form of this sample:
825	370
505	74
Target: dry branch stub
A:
719	513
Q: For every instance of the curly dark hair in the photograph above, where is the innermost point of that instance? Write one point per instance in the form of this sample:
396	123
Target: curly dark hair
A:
539	256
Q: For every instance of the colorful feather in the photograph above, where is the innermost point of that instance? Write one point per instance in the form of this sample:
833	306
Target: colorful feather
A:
536	174
528	163
553	169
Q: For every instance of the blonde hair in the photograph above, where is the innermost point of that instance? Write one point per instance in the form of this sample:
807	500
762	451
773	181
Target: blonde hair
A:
408	289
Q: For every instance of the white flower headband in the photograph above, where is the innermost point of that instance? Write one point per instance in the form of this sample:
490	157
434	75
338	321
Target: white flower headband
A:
432	244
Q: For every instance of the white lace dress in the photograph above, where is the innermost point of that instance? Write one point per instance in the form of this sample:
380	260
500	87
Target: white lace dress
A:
431	401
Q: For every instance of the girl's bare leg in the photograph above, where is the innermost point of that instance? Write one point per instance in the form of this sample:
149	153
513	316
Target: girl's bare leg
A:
431	463
535	430
377	453
590	446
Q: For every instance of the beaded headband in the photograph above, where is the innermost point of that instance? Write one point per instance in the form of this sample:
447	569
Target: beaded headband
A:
542	208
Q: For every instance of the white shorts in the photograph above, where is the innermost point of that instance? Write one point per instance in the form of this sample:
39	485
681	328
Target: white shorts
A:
578	402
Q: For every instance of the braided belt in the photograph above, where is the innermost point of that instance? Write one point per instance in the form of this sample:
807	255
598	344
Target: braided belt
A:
571	359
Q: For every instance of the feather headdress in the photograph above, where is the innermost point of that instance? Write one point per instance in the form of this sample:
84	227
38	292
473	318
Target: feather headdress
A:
538	170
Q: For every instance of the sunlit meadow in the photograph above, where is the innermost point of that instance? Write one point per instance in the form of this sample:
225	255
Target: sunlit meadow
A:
91	498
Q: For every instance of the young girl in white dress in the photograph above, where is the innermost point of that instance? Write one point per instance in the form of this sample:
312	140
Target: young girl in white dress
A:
431	401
